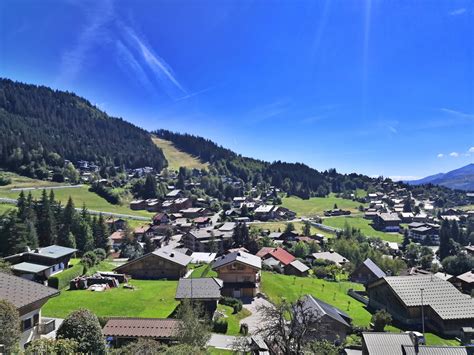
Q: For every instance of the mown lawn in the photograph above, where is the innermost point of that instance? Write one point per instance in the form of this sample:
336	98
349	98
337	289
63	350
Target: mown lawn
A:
278	287
280	226
153	299
233	320
177	158
18	181
80	196
365	227
316	206
4	207
203	271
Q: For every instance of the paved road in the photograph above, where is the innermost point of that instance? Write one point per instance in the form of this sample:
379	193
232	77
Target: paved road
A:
222	341
112	214
256	319
47	188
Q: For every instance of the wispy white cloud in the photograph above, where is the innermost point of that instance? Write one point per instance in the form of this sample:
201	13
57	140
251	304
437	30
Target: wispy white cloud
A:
458	12
440	155
162	71
454	154
271	110
458	114
196	93
94	32
471	150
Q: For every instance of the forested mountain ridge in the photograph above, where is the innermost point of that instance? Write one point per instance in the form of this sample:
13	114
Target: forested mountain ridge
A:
40	127
294	178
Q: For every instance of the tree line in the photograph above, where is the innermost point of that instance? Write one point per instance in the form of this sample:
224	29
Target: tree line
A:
41	127
43	222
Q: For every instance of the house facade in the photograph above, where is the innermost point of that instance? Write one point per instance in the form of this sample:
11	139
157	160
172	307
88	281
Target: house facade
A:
240	272
28	297
160	264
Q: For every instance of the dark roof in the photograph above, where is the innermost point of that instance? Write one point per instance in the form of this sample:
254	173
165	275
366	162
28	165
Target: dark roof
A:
386	343
199	288
434	350
167	254
240	256
21	292
320	308
141	327
374	268
440	295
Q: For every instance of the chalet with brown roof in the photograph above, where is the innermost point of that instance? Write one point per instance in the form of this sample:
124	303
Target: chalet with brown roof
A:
278	254
161	218
28	297
387	222
240	272
123	330
160	264
466	281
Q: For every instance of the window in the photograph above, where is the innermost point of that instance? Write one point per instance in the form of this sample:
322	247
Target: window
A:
36	319
26	324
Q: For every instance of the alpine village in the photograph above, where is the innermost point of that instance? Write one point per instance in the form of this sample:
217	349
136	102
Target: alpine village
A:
117	240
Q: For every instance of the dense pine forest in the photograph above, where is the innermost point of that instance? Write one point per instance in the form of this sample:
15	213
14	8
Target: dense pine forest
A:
41	127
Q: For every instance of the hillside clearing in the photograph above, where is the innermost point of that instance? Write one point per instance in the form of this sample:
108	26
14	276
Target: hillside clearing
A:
316	206
364	226
177	158
81	196
280	226
150	299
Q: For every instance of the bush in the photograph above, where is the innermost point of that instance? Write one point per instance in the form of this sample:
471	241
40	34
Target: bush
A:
89	259
5	180
61	280
100	253
83	327
232	302
51	346
244	329
220	325
380	319
9	326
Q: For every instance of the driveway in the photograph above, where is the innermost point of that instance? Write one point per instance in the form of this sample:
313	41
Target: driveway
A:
256	319
222	341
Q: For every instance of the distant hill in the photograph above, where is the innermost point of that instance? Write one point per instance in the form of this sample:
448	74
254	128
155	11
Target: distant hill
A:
40	127
461	179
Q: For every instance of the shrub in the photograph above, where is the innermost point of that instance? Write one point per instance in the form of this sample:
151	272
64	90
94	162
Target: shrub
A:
51	346
381	319
100	253
4	180
244	329
232	302
9	326
220	325
83	327
61	280
89	259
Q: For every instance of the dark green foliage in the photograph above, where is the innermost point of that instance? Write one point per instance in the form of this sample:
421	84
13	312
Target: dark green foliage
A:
83	327
100	254
244	329
220	325
105	192
9	326
235	303
61	281
5	180
457	265
40	128
191	331
142	346
240	235
52	346
381	319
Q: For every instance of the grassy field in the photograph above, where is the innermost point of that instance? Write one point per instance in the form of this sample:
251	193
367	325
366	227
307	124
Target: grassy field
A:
276	226
365	227
80	196
23	181
278	287
316	206
177	158
233	320
153	299
5	207
203	271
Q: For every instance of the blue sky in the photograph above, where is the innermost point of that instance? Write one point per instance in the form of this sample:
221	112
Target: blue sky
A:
377	87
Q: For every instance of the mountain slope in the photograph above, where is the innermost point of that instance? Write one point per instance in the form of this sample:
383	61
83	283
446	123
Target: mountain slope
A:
177	158
40	127
461	179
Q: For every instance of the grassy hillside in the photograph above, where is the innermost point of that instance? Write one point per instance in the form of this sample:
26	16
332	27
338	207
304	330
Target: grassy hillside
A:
80	195
280	226
317	205
365	227
177	158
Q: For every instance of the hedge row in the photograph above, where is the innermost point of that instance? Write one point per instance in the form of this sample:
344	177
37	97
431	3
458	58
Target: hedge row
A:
61	280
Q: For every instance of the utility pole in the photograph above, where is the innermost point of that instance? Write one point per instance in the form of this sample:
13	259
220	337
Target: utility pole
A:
422	314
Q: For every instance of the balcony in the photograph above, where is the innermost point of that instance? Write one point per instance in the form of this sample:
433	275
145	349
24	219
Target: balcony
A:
46	326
